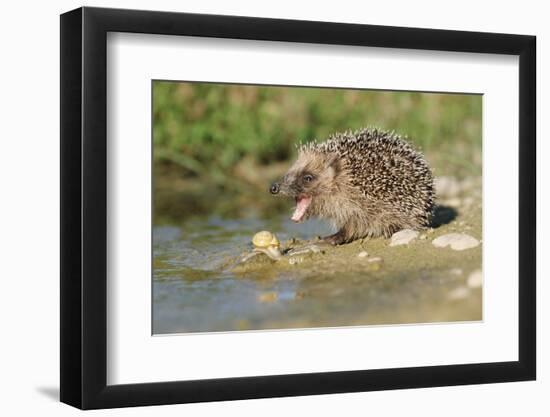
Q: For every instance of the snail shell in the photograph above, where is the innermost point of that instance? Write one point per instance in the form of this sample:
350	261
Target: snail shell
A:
265	239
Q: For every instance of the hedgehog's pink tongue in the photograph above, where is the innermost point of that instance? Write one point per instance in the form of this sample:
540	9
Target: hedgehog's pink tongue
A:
302	203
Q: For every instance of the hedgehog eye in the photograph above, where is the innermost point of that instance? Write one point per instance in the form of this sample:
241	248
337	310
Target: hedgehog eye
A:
308	178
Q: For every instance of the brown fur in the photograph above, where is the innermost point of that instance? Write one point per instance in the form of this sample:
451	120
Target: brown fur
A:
367	184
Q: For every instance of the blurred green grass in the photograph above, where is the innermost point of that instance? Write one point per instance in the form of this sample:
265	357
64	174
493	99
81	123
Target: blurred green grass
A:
205	130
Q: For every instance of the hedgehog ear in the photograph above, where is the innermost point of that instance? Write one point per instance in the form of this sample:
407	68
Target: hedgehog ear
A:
333	165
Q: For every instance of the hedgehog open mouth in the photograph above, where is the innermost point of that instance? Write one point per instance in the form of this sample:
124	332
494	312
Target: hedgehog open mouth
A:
302	203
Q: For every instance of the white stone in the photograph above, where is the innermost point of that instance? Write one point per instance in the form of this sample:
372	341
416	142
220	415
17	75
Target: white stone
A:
375	259
456	271
422	237
295	260
362	254
457	241
403	237
459	293
475	279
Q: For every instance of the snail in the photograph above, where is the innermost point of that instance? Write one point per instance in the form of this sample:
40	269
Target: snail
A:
267	243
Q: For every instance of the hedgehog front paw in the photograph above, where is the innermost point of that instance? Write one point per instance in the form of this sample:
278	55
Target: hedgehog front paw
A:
337	238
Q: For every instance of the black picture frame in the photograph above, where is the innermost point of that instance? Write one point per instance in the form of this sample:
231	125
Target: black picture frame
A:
84	207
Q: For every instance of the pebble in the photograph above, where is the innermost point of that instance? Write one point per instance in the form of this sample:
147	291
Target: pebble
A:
456	271
375	263
457	241
403	237
362	254
459	293
475	279
295	260
422	237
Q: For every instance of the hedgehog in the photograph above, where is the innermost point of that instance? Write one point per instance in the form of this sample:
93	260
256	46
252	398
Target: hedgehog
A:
368	183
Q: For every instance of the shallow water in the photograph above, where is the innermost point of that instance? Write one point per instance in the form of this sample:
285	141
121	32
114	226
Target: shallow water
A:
196	290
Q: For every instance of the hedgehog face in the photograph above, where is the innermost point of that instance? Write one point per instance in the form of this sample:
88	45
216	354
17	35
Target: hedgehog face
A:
311	177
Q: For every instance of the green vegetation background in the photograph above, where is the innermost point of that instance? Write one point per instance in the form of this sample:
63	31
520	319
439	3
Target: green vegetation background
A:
205	129
209	137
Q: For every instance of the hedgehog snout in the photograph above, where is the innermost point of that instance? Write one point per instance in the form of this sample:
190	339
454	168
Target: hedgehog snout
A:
286	186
